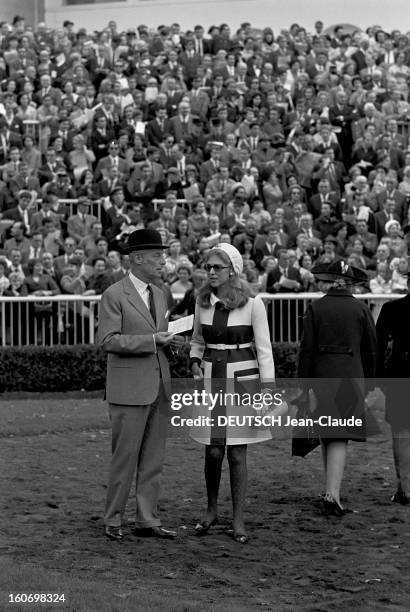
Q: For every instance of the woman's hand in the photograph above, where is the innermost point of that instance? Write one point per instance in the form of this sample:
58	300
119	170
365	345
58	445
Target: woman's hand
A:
196	371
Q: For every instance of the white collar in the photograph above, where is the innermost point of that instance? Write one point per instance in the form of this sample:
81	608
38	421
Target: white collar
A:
214	299
139	285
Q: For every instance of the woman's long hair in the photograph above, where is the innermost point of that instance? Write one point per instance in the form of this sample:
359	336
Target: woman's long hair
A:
233	294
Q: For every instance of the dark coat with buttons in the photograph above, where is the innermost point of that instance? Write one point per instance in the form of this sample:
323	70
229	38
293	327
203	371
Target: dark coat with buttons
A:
338	351
393	364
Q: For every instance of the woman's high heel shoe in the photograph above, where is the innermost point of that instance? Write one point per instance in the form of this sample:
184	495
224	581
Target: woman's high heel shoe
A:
331	507
203	528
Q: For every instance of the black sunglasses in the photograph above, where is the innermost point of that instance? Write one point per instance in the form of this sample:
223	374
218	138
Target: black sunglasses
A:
216	267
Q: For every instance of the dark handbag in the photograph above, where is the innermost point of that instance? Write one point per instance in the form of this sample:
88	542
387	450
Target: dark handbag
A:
43	307
304	437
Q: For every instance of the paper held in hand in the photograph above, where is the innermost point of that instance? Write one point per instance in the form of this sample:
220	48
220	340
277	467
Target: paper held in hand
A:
181	325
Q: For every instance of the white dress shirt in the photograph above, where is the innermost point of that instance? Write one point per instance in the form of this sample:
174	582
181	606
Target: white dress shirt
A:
143	292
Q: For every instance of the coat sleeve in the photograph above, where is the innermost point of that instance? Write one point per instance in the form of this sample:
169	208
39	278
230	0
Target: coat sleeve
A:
368	346
262	341
382	331
110	334
307	344
197	341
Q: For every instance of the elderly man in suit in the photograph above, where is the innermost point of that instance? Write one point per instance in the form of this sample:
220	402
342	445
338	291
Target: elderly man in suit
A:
393	335
133	331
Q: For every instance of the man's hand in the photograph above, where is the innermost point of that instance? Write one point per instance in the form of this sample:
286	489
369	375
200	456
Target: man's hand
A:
177	341
196	371
163	338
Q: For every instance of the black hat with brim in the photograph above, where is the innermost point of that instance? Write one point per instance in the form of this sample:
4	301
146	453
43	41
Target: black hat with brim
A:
339	269
144	239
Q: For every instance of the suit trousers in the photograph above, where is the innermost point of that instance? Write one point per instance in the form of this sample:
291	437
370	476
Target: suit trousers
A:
401	454
138	447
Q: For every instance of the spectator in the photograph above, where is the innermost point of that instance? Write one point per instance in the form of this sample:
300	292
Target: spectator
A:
4	281
198	219
382	282
183	282
100	279
18	241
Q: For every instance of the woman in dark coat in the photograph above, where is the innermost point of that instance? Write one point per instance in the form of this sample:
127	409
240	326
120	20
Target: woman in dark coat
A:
393	335
337	352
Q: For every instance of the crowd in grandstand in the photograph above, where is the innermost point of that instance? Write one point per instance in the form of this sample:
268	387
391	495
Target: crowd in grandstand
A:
292	146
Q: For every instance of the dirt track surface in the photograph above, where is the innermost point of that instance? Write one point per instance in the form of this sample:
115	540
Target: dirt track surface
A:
56	455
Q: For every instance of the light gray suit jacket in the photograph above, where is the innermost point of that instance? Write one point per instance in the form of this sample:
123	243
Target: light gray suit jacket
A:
125	331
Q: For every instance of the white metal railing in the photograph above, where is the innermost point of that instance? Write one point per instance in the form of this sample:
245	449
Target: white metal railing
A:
47	321
95	207
73	319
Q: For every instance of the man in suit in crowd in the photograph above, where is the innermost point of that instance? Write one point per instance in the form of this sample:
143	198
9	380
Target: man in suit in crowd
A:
22	180
383	216
181	124
78	225
157	128
198	99
283	278
133	331
61	261
21	212
324	195
392	193
371	117
189	60
266	246
8	139
45	212
393	335
157	170
112	159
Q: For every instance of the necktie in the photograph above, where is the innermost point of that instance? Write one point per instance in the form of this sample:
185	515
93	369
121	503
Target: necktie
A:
151	303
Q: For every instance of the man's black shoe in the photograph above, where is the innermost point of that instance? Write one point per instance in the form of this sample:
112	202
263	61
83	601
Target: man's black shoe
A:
114	533
400	498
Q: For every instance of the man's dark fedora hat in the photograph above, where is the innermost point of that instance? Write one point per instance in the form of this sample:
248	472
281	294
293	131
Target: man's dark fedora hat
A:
339	269
144	239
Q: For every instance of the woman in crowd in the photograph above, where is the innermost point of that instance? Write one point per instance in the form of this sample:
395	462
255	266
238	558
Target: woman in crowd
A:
272	193
26	110
192	187
198	219
187	239
227	323
399	269
381	283
80	158
268	263
4	281
31	155
173	259
341	240
16	314
305	268
358	250
41	284
183	282
397	245
338	346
